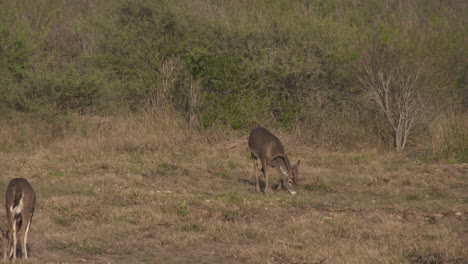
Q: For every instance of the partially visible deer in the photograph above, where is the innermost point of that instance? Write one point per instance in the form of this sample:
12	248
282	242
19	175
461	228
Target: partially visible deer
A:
20	200
268	148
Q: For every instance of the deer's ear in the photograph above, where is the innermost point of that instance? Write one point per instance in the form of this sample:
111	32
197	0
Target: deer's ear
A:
298	163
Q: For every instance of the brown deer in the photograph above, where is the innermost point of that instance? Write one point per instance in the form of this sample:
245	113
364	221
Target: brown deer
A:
268	148
20	200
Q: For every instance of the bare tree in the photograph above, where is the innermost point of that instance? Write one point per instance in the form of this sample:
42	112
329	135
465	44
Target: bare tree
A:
395	86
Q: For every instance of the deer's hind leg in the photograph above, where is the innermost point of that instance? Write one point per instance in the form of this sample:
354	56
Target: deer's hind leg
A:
267	189
23	235
255	162
13	237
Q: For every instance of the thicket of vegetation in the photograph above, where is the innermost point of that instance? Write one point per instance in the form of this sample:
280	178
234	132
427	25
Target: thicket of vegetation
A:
347	73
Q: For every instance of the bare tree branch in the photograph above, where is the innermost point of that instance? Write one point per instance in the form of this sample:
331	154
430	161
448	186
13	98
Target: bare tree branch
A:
395	88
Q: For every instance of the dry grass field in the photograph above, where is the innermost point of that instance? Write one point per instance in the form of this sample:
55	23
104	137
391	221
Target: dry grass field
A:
150	190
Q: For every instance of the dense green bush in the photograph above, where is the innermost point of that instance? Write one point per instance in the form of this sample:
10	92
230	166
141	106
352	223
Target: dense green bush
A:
235	63
251	72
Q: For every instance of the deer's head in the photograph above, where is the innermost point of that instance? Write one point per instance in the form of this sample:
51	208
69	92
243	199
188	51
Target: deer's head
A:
291	179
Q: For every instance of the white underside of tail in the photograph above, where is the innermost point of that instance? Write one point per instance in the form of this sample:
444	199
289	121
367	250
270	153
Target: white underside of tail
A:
18	208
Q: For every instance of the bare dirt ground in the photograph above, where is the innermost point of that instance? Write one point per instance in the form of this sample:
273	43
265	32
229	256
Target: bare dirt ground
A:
128	193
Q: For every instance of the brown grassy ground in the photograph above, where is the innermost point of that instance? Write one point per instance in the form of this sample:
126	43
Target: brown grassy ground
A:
145	190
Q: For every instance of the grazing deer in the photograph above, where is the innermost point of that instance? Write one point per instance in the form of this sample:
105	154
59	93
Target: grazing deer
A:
266	146
20	199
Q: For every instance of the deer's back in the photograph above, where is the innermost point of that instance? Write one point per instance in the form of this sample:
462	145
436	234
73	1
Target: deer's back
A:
264	144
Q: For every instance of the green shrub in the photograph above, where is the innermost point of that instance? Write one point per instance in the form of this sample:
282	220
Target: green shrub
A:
275	63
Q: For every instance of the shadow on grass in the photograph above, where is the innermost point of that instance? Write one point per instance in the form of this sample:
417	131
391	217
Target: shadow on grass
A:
273	186
252	183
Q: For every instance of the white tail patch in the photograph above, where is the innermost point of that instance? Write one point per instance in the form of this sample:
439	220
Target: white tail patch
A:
18	208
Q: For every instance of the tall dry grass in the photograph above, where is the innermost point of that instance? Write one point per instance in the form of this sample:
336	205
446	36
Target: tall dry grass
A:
147	188
450	135
96	133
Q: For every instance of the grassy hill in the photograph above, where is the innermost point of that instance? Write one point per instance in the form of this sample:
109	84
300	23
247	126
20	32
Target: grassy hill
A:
130	119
